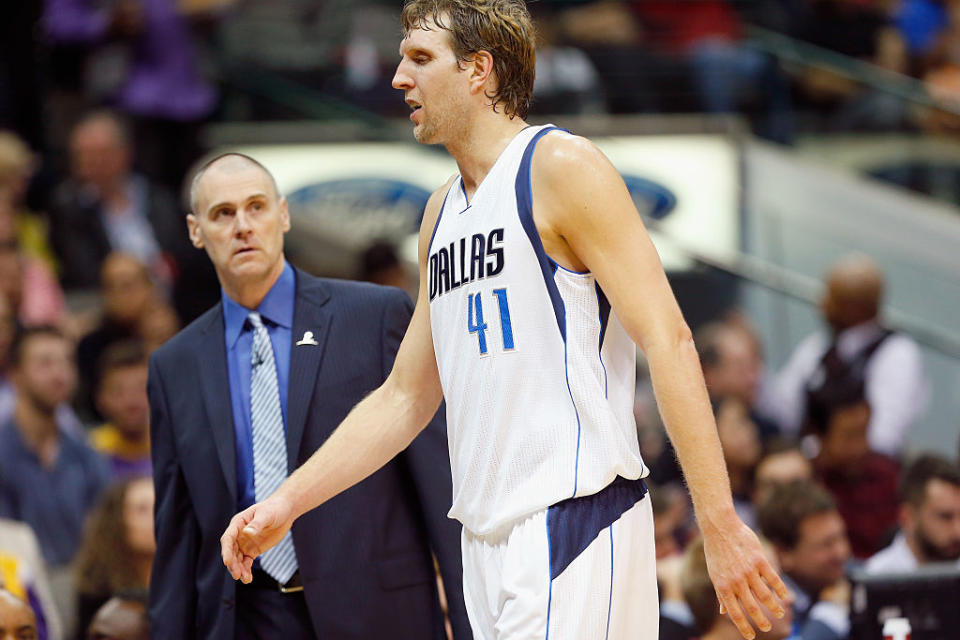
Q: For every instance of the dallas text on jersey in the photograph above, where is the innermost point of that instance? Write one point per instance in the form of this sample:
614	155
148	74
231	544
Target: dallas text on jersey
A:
459	263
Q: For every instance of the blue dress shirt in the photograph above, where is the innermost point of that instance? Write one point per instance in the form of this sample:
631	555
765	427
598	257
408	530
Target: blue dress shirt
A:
276	309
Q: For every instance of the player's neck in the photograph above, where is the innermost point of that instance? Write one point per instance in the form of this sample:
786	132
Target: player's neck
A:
482	143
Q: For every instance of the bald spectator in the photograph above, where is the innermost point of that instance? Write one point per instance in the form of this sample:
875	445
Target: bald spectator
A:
123	617
104	206
17	621
801	520
857	349
701	597
929	518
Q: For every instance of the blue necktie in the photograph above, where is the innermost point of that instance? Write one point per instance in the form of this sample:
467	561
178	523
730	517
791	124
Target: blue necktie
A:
269	443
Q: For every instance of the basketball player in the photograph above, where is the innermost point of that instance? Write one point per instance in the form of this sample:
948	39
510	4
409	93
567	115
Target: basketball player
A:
536	279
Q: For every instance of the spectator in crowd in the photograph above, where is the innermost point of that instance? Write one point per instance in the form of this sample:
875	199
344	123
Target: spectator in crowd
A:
733	366
17	620
49	478
856	347
118	546
124	440
122	617
863	483
17	164
28	283
23	573
8	329
127	292
741	451
158	324
671	515
162	88
782	463
104	206
701	597
808	534
929	518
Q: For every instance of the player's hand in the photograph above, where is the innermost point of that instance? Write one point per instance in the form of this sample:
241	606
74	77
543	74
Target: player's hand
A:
251	532
743	577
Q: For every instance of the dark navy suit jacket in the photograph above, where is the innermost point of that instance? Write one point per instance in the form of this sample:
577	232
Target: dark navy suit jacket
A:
364	556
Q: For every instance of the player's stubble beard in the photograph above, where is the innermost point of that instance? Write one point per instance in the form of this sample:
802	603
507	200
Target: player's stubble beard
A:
934	553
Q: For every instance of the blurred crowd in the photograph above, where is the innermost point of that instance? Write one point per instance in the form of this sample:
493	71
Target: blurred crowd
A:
817	465
101	111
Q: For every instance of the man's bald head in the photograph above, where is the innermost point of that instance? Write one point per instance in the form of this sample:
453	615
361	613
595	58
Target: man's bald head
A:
854	292
17	619
229	163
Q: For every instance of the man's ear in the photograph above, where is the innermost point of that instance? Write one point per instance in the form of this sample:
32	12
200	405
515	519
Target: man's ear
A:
284	214
193	228
480	68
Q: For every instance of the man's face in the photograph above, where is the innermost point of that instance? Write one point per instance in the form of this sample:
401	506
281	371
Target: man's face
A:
935	524
98	155
122	399
127	290
119	620
138	516
845	444
739	368
822	551
239	221
433	85
738	435
17	621
46	375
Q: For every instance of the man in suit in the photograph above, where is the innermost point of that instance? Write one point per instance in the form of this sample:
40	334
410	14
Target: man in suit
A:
269	371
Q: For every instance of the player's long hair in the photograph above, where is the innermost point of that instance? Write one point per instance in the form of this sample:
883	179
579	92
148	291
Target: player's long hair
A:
501	27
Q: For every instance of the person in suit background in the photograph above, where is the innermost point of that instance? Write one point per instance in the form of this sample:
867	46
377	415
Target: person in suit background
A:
243	396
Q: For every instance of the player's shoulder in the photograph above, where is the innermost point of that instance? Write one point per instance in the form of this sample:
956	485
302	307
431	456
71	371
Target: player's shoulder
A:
435	203
563	158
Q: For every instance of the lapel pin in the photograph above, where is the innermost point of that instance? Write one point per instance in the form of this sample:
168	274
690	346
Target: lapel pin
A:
307	339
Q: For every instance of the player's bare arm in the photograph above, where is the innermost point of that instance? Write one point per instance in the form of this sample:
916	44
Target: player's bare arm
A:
588	222
376	430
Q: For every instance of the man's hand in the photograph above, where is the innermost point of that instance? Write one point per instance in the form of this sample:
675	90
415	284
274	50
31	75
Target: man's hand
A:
742	576
253	531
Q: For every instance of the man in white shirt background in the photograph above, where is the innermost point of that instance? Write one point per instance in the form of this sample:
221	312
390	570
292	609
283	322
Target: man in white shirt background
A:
896	385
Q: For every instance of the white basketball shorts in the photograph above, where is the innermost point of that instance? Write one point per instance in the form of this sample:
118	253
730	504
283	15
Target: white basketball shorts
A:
582	569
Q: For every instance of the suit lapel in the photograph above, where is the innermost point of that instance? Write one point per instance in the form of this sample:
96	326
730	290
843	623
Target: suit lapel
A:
309	315
212	362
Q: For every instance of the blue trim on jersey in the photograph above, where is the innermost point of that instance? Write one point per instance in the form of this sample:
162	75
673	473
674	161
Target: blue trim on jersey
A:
604	306
576	273
524	192
436	225
550	580
574	523
610	601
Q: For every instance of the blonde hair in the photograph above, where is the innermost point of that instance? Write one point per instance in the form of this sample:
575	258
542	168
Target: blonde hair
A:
501	27
16	159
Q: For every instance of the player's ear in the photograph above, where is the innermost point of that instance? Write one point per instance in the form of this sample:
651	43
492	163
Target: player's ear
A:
284	214
480	68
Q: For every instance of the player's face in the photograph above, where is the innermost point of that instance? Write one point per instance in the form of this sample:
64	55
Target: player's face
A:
433	84
240	221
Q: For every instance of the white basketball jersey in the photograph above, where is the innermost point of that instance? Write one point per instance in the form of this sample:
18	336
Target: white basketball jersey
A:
537	372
